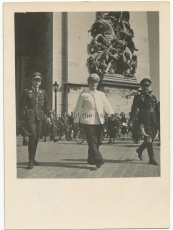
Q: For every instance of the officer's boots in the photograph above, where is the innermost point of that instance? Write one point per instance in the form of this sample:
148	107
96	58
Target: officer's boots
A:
31	153
30	164
152	161
35	148
141	149
32	145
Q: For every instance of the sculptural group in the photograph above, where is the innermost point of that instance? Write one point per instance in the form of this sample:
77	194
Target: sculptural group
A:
112	49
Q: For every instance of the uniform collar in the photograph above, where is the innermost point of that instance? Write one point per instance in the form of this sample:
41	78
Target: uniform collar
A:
34	89
92	91
145	93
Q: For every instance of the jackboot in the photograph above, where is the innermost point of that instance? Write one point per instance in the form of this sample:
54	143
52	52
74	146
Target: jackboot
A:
152	160
35	147
30	164
35	163
141	149
31	151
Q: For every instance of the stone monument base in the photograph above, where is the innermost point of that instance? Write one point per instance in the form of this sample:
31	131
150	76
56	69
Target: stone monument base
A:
120	91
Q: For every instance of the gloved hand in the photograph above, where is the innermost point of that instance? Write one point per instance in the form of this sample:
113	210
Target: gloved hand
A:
143	130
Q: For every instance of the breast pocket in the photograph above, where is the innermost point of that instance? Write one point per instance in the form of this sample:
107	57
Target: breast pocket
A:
142	103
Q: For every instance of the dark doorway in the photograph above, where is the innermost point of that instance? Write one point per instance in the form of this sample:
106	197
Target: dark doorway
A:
33	51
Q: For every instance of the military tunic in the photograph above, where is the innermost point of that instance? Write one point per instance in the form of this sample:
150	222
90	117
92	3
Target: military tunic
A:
33	106
148	112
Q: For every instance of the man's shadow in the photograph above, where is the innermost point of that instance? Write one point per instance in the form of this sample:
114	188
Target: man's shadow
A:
75	163
107	161
57	164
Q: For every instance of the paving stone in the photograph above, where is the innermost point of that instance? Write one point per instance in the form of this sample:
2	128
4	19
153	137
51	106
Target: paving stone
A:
126	175
117	174
69	160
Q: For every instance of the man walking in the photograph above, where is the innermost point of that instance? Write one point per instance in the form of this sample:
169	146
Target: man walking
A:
71	127
65	121
34	104
90	112
148	118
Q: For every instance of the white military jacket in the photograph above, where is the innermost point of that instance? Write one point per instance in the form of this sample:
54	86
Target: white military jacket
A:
91	107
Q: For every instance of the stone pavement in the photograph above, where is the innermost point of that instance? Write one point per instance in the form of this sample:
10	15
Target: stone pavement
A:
69	160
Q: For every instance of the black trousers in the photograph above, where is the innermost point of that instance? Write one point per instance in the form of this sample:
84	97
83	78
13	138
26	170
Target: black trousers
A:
149	145
93	134
35	131
151	130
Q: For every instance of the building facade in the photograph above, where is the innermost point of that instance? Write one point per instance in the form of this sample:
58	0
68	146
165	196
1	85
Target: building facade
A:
55	44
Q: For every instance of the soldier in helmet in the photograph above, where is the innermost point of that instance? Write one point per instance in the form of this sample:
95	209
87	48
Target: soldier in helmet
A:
148	118
34	104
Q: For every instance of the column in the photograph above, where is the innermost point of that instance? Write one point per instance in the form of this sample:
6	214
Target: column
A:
57	58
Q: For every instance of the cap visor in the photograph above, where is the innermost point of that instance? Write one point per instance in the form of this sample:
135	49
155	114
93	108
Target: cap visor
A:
37	78
146	84
93	80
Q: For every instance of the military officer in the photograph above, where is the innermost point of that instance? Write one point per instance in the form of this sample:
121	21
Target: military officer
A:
90	109
148	118
34	104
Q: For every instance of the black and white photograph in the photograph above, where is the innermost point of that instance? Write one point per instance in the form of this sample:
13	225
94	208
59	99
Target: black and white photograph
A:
87	94
86	115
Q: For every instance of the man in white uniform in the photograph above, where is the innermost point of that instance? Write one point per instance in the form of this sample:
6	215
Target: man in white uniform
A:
90	111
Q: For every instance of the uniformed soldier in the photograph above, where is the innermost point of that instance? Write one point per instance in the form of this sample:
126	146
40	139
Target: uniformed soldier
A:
148	118
90	110
34	104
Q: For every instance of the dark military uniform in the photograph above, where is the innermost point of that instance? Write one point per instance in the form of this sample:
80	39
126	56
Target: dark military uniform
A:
136	133
149	117
33	106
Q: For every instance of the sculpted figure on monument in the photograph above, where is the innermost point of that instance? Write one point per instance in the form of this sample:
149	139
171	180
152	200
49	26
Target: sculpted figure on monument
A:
121	26
133	65
111	48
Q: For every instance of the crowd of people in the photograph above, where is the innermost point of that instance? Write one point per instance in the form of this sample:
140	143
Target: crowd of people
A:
56	127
